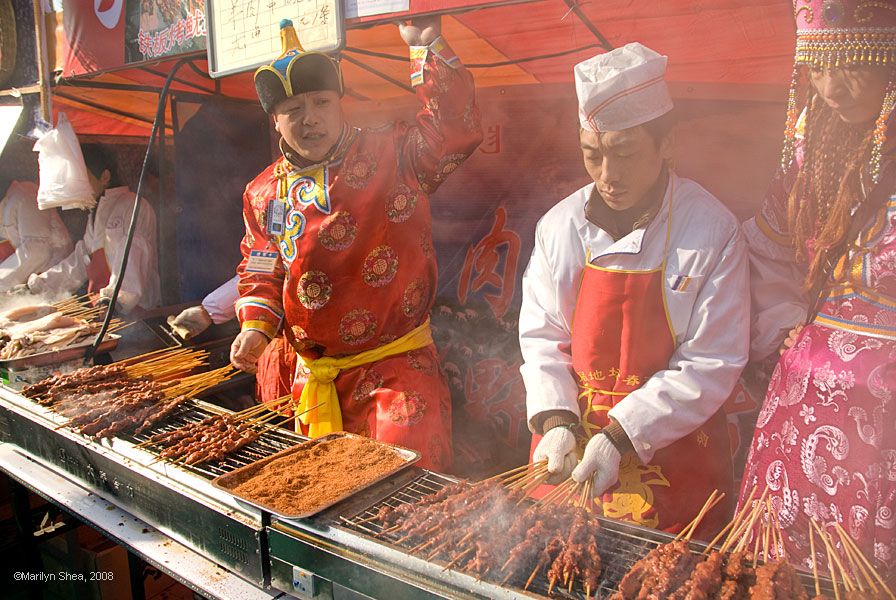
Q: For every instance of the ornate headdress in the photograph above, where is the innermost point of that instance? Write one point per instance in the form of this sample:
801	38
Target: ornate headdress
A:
295	71
839	33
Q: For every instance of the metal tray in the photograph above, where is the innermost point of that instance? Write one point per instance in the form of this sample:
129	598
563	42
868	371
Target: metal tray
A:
60	354
222	481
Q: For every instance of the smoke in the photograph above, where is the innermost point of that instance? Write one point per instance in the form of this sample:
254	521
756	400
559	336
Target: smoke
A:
10	302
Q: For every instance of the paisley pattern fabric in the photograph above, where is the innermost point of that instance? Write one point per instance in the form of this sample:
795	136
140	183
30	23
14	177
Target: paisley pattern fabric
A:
825	440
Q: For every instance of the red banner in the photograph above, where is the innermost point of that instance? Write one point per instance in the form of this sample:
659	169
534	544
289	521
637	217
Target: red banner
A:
94	35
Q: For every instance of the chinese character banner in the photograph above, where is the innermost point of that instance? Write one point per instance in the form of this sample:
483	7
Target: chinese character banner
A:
157	28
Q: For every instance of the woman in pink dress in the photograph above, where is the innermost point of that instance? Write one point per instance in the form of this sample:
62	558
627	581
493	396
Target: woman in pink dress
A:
823	257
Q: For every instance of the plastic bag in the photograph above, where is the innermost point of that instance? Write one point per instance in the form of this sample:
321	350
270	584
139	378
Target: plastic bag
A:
63	175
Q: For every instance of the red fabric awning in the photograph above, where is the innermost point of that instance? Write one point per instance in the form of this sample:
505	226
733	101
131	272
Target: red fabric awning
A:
726	48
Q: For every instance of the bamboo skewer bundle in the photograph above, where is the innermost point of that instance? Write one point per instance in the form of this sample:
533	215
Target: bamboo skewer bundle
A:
756	531
167	362
851	568
688	531
196	384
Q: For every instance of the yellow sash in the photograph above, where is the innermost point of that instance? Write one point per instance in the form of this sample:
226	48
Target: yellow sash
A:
320	391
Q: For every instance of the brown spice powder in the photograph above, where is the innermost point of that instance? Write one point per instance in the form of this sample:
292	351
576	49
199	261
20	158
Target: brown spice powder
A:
316	474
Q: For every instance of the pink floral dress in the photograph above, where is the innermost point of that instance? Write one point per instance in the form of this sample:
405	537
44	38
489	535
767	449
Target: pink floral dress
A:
825	439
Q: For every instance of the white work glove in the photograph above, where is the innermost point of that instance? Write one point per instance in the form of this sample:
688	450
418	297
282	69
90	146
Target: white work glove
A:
558	446
600	461
19	290
190	322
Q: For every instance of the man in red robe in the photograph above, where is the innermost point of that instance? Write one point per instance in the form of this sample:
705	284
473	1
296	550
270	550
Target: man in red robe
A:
338	247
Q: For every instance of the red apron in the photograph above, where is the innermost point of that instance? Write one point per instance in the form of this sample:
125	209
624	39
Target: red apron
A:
621	336
98	273
6	249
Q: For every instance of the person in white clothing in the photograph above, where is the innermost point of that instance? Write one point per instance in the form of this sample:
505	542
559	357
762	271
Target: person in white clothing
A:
216	308
30	239
634	324
96	259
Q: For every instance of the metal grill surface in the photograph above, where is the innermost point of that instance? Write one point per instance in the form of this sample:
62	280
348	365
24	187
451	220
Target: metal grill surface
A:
270	442
620	545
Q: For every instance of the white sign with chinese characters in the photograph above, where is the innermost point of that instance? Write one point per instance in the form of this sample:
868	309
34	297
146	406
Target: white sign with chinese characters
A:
245	34
368	8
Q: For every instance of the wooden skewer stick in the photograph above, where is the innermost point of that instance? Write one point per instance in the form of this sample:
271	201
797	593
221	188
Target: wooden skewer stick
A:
393	528
559	491
274	425
756	539
732	524
457	558
768	530
437	549
832	555
828	552
256	409
521	482
121	325
866	562
556	491
287	419
778	535
742	531
516	477
570	495
584	495
854	567
421	546
689	529
531	486
748	530
509	472
534	573
814	561
507	562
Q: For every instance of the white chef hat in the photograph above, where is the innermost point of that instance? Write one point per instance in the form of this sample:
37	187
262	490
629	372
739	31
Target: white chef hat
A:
622	88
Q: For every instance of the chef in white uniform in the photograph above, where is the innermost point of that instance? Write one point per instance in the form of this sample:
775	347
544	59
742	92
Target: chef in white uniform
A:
31	239
634	324
96	258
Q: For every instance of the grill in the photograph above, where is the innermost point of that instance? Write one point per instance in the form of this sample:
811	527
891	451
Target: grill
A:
270	442
179	502
620	544
337	546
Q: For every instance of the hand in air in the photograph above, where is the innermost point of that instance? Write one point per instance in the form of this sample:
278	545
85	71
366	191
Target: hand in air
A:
420	31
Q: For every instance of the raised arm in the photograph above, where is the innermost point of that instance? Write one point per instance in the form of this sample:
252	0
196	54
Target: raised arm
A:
448	127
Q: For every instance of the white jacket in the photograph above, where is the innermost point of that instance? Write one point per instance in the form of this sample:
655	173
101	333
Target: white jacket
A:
39	237
219	304
711	317
108	229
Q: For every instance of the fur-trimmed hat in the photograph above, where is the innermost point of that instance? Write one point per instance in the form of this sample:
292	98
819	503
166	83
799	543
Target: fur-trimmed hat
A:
295	71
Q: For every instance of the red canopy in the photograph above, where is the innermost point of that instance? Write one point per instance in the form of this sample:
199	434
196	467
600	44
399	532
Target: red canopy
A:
716	49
